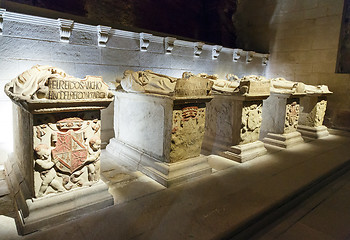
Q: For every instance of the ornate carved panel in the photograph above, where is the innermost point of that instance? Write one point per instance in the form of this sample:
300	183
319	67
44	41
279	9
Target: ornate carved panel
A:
66	152
187	132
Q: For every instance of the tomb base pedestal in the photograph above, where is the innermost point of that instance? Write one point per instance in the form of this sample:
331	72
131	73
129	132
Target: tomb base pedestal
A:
245	152
285	140
313	132
167	174
37	213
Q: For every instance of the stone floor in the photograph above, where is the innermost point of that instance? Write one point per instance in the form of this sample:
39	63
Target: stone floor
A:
235	201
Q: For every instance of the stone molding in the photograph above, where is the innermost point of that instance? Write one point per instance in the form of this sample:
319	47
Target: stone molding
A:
103	34
237	54
66	27
169	44
215	51
249	56
144	41
198	48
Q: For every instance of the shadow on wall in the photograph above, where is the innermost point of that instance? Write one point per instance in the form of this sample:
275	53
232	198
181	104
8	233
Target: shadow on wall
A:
252	23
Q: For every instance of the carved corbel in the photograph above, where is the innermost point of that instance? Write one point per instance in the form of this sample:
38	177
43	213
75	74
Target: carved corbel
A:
215	51
66	27
2	12
102	35
237	54
169	44
265	59
249	56
144	41
198	48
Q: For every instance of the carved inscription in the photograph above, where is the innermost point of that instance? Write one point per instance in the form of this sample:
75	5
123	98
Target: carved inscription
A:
187	132
76	89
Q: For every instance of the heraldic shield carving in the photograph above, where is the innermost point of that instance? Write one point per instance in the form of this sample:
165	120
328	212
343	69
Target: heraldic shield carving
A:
70	152
67	154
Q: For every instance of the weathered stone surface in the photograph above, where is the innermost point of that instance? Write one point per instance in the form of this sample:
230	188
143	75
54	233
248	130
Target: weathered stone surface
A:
57	157
45	89
67	151
251	122
192	86
148	82
187	132
281	85
220	85
161	134
292	117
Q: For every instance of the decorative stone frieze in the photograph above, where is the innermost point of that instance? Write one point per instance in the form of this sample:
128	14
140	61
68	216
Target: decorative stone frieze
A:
66	27
233	118
144	41
58	146
281	113
198	48
103	35
160	132
215	52
169	44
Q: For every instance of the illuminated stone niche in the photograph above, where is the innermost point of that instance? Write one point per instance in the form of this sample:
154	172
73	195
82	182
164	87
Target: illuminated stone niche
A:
233	117
159	124
313	110
54	172
281	113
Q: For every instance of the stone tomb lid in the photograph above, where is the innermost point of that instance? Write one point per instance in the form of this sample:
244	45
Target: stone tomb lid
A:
45	89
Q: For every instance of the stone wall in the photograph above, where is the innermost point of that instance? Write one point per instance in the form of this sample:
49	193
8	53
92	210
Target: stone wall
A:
28	40
302	37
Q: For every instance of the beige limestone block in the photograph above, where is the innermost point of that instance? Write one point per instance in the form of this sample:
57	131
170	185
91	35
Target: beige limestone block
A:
187	133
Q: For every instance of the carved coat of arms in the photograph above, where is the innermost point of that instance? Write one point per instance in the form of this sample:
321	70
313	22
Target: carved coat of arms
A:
70	152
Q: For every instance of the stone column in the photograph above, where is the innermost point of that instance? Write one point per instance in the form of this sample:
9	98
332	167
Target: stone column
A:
313	109
54	172
233	120
160	133
281	114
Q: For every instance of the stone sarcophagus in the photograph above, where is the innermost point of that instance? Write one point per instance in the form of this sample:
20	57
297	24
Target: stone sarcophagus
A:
159	125
234	118
313	108
281	113
54	171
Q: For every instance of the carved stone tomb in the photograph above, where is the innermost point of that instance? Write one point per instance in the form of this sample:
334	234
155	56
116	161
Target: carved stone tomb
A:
54	171
313	109
160	131
281	114
234	118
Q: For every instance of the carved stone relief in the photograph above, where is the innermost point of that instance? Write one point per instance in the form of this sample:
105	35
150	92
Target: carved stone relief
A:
187	132
251	122
316	116
66	152
292	117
